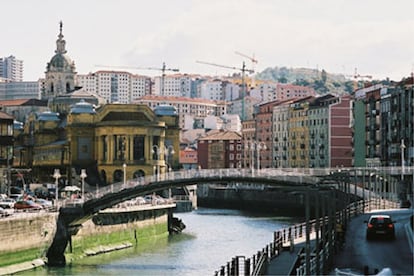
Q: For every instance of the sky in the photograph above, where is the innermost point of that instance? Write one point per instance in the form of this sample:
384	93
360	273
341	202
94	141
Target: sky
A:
374	36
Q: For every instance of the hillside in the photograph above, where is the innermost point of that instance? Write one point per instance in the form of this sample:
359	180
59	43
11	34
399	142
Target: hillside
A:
322	81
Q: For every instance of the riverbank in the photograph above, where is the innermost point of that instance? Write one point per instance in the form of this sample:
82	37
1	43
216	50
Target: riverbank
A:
110	230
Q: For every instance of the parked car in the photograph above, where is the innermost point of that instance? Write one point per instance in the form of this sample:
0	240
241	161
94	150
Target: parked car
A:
7	203
6	212
27	205
380	226
46	204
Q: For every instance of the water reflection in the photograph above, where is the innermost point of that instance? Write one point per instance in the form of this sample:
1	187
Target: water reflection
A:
211	238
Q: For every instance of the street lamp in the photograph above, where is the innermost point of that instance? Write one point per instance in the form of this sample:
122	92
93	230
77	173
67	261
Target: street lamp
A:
83	175
259	146
56	175
402	146
156	150
251	147
124	166
169	152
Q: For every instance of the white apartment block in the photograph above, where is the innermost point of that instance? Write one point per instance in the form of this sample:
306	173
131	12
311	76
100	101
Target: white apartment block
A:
232	122
247	104
232	91
211	90
266	92
177	85
186	107
11	68
115	86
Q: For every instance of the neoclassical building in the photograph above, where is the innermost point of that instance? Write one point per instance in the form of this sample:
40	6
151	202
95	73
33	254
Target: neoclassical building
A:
106	142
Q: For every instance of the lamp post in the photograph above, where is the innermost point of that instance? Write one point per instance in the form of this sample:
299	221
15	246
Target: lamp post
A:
124	167
56	175
259	146
83	175
156	150
251	146
169	152
402	146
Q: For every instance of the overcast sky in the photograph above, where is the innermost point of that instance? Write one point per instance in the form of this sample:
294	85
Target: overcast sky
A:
374	36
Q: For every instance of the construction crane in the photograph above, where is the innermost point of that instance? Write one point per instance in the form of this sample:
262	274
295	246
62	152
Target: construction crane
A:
358	76
243	70
162	69
253	60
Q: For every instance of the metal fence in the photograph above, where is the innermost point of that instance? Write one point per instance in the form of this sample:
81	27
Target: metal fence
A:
319	260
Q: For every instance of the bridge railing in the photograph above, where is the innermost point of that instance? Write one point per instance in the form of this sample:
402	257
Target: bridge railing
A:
286	238
199	174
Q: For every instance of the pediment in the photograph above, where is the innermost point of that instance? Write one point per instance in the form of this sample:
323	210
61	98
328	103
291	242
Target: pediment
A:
116	112
125	116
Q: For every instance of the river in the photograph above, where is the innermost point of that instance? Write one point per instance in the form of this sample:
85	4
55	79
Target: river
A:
211	238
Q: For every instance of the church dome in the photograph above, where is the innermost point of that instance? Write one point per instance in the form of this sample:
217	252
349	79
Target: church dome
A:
165	110
82	107
60	62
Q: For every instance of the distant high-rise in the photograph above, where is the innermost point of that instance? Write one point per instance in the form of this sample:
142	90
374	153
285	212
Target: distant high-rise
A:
11	68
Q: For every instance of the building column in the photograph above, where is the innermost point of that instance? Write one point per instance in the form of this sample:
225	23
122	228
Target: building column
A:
110	148
129	147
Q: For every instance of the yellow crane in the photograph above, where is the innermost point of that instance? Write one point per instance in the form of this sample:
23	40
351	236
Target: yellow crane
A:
243	69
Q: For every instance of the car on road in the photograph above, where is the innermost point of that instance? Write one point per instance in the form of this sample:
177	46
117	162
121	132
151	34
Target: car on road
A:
46	204
380	226
27	205
7	203
6	212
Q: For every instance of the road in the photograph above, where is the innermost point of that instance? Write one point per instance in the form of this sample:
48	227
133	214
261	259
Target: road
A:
396	254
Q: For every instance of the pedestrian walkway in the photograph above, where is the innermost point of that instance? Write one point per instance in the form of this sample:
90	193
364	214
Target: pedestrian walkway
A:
282	264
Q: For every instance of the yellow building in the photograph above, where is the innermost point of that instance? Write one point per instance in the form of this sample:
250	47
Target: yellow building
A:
108	141
298	133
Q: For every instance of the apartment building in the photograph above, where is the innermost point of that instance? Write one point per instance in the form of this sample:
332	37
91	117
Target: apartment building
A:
186	107
220	149
289	91
11	68
212	90
115	86
245	108
175	85
383	124
266	92
14	90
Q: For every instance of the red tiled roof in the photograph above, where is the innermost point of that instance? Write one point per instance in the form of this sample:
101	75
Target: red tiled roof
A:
221	135
13	102
4	115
